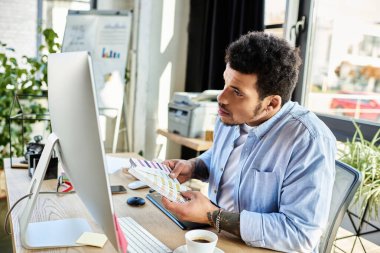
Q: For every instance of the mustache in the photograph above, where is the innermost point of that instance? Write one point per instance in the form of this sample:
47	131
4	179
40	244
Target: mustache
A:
223	107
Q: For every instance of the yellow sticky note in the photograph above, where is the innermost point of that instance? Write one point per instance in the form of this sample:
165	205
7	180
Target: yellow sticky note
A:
92	239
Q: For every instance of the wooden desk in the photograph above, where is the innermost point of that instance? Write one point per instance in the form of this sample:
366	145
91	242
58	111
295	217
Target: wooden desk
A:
195	144
51	207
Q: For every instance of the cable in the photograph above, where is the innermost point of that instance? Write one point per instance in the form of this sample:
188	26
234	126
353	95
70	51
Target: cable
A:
19	200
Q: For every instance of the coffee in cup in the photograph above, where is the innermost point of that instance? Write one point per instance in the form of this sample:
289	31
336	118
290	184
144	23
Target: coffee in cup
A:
200	241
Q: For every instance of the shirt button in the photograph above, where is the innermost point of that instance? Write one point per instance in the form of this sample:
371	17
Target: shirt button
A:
215	191
221	169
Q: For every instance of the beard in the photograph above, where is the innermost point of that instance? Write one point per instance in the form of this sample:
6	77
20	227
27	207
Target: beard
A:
233	122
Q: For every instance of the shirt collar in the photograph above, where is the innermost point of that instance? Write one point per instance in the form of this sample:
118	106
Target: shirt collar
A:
264	127
244	128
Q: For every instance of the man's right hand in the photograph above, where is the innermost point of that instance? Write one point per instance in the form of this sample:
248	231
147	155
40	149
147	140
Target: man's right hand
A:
181	169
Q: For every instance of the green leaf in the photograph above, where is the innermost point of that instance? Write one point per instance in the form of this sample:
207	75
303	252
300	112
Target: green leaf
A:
364	155
27	76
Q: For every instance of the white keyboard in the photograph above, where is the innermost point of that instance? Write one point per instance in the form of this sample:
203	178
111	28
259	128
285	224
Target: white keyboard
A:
139	239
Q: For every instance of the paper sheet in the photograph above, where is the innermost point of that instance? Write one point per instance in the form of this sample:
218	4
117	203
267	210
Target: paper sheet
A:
116	163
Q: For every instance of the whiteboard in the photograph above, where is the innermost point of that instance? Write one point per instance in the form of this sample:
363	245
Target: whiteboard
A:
106	36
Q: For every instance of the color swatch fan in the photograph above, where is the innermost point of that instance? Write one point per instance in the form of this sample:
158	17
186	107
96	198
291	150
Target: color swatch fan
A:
156	175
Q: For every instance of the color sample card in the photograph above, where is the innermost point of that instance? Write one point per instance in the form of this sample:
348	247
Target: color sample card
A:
156	175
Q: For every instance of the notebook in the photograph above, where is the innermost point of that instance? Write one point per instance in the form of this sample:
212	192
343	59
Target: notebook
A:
156	176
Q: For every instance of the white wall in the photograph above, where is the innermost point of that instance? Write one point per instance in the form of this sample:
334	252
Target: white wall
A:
162	51
18	25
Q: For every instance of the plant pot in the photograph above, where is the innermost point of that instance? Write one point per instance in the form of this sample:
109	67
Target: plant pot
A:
368	228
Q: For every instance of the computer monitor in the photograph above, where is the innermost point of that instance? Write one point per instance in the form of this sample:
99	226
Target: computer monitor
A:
75	127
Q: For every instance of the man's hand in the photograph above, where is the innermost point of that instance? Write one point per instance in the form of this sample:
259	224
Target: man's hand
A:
194	210
181	169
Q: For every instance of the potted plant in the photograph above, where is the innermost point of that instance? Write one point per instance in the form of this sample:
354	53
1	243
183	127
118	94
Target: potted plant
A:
25	76
363	214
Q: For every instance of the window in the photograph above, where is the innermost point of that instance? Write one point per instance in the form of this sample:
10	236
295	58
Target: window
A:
345	63
341	71
55	12
274	17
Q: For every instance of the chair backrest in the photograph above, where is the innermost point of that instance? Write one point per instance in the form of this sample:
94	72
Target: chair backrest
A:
347	181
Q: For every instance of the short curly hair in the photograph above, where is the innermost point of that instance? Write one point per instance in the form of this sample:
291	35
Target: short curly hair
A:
271	58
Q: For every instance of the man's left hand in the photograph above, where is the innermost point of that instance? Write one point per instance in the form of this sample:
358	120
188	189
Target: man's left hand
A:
195	209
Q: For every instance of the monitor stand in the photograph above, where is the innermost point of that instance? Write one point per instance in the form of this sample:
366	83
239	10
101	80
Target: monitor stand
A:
48	234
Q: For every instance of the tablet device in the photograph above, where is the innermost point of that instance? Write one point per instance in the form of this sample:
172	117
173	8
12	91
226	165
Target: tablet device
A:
155	198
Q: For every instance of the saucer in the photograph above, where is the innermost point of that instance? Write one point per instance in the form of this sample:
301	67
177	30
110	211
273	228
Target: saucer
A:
183	249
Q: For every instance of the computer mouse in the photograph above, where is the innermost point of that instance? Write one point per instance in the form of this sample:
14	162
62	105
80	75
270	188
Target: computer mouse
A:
137	185
135	201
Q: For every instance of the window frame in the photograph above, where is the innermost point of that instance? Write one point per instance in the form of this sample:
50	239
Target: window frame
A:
342	127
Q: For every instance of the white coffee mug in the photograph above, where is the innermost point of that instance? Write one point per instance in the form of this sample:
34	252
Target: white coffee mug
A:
200	241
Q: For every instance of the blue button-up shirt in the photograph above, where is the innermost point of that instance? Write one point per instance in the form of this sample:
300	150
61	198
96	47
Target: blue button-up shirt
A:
284	181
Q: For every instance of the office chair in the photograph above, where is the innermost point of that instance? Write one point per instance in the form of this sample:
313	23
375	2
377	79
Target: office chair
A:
347	181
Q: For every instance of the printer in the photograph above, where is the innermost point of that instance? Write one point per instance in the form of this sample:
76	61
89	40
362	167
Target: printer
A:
192	113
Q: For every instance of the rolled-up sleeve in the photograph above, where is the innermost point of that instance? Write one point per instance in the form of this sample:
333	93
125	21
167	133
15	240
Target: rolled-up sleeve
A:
206	157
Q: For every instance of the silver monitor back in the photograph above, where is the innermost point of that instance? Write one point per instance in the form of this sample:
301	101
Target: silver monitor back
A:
74	119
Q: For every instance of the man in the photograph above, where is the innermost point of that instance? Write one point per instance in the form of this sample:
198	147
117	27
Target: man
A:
271	167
